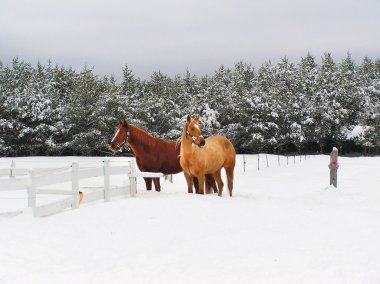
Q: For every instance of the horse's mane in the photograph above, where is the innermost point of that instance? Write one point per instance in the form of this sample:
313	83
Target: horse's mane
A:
144	137
179	141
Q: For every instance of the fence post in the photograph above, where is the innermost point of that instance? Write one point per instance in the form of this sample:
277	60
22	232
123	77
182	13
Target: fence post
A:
11	169
266	157
258	161
31	190
278	159
75	185
334	167
169	178
244	162
106	167
133	180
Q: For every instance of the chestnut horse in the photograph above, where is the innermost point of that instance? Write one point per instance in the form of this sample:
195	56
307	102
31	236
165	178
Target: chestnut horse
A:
200	156
152	154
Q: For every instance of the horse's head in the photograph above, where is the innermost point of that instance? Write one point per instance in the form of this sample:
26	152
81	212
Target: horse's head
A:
194	130
120	139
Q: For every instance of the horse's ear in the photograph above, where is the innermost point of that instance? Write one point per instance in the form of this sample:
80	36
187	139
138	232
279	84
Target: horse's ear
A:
197	118
188	118
125	121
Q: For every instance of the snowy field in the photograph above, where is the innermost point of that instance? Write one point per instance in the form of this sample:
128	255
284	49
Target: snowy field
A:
284	224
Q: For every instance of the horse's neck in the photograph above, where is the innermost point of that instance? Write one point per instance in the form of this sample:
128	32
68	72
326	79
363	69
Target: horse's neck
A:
137	140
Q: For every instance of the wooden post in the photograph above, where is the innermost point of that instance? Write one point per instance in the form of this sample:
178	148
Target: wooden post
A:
334	167
278	159
107	184
169	178
266	157
75	185
11	169
31	189
287	159
133	180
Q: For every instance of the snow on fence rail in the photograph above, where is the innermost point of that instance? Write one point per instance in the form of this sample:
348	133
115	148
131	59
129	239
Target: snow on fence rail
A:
36	178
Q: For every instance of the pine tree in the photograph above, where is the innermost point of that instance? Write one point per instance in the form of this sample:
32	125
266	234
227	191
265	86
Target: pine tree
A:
306	90
367	132
236	104
262	128
82	115
348	99
327	108
287	106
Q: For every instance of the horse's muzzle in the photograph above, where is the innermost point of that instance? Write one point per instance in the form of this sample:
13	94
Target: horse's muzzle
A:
113	147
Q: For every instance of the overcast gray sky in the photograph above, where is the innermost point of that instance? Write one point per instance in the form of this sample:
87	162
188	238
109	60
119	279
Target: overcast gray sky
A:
172	35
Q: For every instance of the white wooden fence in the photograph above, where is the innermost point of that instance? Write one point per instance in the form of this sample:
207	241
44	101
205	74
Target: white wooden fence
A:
34	179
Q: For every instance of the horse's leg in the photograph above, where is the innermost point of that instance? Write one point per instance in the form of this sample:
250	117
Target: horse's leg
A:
196	184
214	186
210	183
201	181
148	183
189	180
230	179
157	185
218	178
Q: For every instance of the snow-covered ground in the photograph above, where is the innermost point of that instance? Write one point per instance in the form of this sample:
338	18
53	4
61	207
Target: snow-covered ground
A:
284	224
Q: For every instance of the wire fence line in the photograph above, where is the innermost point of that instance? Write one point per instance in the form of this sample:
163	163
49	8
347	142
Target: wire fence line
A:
264	160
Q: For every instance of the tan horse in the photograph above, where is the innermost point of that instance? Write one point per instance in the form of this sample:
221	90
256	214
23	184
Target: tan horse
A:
200	156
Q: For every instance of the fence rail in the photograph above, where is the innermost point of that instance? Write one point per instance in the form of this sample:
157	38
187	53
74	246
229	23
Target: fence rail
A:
34	179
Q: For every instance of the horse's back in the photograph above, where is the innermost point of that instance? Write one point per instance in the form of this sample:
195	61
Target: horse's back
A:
223	147
221	141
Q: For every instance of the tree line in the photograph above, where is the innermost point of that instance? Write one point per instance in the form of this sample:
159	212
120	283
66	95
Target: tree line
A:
276	108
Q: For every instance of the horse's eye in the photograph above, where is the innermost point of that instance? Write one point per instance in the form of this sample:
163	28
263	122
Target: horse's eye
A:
192	128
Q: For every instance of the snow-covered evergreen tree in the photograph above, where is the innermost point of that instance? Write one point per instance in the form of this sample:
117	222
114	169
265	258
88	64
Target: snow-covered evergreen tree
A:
28	111
348	98
82	115
306	90
262	126
328	116
236	104
367	131
287	105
